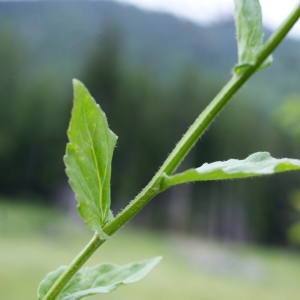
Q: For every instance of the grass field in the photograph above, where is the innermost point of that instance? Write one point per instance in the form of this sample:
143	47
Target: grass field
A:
34	241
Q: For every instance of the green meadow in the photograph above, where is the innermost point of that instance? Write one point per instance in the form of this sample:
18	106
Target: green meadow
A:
36	240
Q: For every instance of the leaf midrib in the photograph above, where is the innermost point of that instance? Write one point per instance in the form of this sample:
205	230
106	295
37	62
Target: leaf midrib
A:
96	163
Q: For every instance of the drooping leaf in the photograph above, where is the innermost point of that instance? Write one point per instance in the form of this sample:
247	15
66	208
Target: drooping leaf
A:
248	22
257	164
88	159
102	278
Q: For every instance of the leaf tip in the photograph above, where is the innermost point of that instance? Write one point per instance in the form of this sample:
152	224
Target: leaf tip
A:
78	86
158	259
76	82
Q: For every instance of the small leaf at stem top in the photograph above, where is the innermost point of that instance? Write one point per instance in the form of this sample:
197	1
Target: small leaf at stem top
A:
88	159
103	278
257	164
248	22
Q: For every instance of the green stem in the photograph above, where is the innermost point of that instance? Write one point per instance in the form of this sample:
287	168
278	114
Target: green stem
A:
222	98
74	267
200	125
155	186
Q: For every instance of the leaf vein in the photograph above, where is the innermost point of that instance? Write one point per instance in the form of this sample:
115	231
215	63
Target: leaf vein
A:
96	163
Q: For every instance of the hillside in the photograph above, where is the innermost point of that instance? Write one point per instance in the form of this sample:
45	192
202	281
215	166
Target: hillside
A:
58	36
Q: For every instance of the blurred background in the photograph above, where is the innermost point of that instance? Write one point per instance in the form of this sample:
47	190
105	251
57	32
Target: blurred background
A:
152	68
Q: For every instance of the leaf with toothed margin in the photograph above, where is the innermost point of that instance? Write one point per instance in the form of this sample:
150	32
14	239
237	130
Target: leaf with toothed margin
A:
103	278
88	159
248	23
257	164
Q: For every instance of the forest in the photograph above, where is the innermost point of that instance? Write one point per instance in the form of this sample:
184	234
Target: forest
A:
152	74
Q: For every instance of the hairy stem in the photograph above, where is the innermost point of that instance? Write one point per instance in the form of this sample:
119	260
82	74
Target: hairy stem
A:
155	186
74	267
200	125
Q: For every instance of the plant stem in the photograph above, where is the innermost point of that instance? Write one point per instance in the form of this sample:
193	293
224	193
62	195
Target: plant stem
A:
156	186
200	125
74	267
222	98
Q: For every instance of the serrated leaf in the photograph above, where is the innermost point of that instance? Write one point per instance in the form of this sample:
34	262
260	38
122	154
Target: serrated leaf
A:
248	22
88	159
102	278
257	164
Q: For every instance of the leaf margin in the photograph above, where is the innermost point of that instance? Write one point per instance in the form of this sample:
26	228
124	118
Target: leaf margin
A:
82	101
249	34
146	267
191	175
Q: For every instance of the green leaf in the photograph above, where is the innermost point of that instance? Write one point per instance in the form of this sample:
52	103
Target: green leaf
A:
257	164
88	159
102	278
49	280
248	22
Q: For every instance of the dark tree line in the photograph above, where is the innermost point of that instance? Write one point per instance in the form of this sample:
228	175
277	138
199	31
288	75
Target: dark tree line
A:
149	115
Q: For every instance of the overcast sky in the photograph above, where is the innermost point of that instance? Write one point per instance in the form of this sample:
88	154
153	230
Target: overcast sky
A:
206	11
